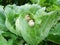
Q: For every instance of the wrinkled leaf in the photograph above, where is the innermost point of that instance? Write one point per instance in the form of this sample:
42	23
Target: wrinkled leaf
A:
10	18
37	33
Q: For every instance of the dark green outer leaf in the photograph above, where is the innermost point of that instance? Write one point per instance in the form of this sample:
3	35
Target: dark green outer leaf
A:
38	1
54	35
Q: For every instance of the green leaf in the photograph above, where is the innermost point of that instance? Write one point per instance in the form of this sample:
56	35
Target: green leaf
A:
54	35
12	12
11	15
2	19
38	1
10	37
11	41
37	33
3	40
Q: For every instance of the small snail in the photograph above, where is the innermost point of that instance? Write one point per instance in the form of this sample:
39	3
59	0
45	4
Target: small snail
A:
31	23
27	17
